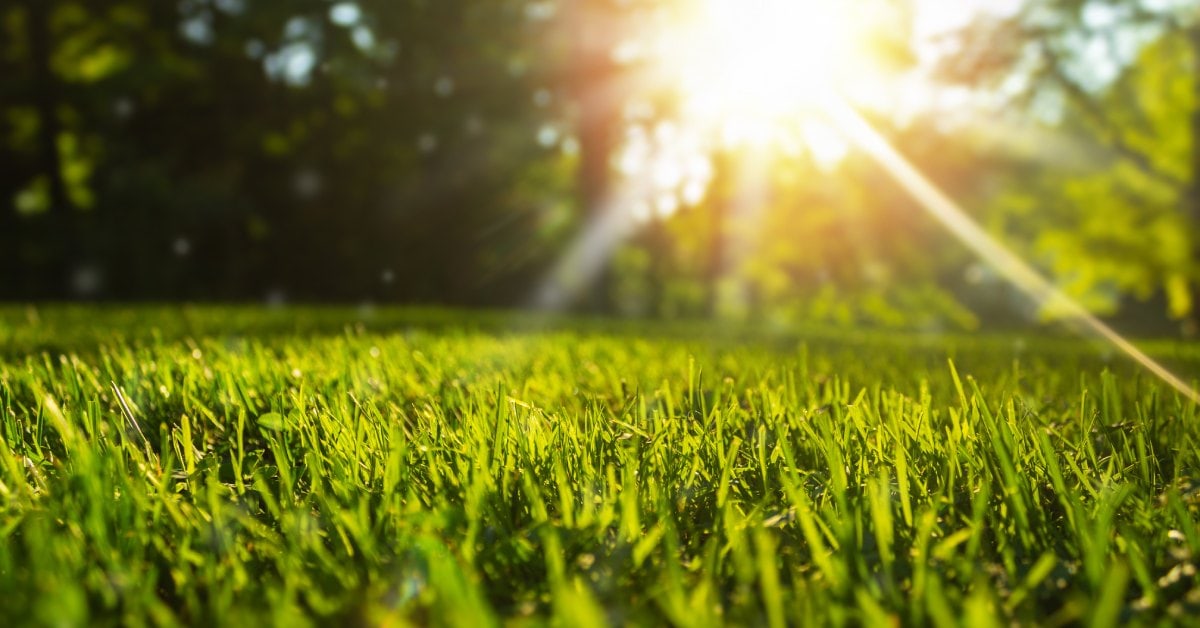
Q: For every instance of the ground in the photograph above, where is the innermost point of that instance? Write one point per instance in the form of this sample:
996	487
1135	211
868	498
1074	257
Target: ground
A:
242	466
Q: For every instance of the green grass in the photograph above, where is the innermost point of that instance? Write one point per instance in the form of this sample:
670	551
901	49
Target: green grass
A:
165	466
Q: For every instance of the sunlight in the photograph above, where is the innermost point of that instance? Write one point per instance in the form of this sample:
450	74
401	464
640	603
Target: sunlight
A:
747	69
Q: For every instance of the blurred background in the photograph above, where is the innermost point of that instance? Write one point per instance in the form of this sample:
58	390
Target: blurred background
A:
551	154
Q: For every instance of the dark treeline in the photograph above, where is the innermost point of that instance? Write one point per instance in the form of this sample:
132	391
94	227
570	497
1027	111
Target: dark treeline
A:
302	150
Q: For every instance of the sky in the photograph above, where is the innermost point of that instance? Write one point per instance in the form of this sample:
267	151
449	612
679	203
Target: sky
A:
939	16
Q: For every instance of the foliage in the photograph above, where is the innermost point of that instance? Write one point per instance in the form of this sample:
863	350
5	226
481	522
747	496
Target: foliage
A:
314	150
1119	80
232	466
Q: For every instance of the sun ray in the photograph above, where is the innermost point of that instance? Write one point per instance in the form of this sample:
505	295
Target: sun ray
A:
1016	270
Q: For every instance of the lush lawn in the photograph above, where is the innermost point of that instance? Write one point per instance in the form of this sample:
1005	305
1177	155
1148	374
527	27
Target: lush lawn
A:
160	466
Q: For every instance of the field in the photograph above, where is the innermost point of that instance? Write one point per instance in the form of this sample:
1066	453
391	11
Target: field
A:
163	466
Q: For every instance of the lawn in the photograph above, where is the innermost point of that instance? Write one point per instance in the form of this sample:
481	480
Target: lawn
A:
196	466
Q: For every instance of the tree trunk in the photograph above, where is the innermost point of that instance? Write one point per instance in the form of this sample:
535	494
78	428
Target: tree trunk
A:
659	242
594	182
715	265
593	87
722	199
46	99
1192	193
55	230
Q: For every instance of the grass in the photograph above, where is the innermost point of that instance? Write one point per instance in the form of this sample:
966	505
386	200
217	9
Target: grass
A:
164	466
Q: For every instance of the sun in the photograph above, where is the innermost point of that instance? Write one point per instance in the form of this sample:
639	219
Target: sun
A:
745	67
756	78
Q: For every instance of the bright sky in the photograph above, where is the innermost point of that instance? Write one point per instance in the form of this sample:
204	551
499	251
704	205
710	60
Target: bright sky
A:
939	16
743	95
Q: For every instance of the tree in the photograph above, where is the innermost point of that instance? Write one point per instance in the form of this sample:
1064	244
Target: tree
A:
1123	75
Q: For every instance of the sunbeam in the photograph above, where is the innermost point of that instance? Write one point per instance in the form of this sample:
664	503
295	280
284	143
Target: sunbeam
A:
583	260
1018	272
